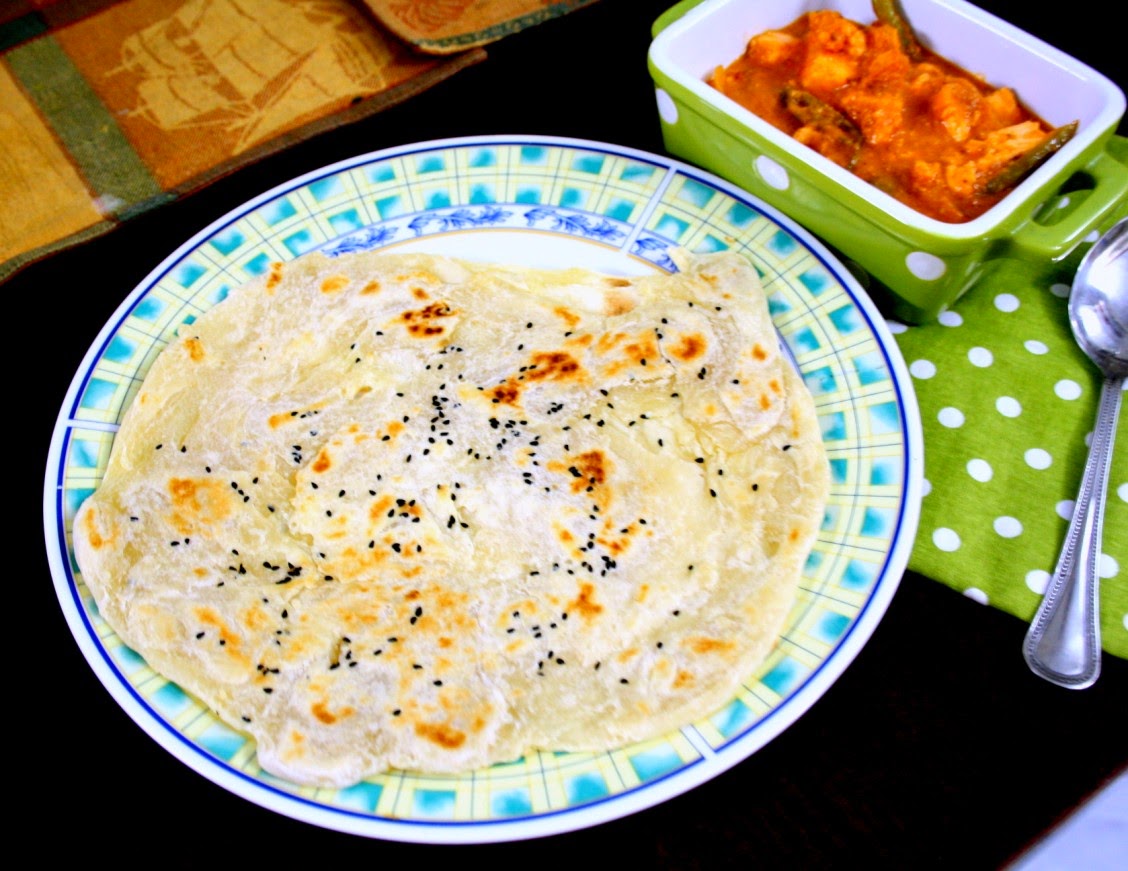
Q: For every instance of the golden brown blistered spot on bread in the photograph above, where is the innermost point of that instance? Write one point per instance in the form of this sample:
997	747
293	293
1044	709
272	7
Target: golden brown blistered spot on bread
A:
422	275
421	323
443	734
617	303
93	534
758	352
607	342
194	348
584	604
639	352
701	644
594	468
553	366
202	500
371	287
525	608
228	638
569	317
379	509
276	420
334	283
683	680
255	618
394	428
320	709
689	347
508	393
419	293
615	539
275	276
323	461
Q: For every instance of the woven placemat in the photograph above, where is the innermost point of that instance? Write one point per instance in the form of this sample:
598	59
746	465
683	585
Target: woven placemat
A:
110	109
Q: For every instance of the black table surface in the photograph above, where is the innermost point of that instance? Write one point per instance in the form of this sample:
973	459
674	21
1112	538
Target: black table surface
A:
935	748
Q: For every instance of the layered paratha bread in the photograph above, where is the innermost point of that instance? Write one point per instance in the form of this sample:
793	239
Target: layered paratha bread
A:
403	511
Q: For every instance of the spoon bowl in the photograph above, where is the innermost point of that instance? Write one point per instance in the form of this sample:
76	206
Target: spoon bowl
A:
1098	302
1063	644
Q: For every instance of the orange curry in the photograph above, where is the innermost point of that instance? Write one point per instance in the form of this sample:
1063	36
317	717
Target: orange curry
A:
875	101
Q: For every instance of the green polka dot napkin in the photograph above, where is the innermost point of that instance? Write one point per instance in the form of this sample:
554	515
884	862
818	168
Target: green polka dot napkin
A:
1007	403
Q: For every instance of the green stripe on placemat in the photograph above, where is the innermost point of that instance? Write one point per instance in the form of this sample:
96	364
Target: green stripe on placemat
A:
102	154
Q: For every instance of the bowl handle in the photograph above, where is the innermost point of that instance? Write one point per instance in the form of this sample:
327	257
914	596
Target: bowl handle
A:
1103	203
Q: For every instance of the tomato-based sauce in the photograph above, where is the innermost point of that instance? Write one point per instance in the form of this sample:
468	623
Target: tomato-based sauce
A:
897	115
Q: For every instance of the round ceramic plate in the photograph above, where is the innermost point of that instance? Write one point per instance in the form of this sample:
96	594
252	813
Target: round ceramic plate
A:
539	202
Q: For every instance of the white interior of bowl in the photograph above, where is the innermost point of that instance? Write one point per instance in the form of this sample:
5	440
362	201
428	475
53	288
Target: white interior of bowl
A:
1054	85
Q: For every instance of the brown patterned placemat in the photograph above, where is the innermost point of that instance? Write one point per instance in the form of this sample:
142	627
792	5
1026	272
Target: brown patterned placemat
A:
109	108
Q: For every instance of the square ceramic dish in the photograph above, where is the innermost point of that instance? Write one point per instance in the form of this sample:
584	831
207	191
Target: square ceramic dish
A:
928	264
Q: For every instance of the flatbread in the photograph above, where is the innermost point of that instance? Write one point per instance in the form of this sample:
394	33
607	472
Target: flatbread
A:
405	511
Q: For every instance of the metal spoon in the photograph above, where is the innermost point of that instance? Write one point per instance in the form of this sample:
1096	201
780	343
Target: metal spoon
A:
1063	644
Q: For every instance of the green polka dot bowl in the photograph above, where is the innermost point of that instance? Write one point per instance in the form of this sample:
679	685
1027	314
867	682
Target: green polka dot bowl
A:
921	264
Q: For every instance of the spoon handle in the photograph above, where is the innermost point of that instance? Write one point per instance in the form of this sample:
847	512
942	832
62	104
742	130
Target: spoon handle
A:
1063	644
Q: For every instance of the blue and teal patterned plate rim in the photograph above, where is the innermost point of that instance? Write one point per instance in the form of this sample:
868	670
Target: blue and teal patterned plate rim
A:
537	201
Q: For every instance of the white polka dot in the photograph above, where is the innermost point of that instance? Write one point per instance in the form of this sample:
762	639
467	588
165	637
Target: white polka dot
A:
925	487
1064	509
1067	389
980	470
1008	406
977	594
1036	458
951	417
667	108
772	173
1037	580
980	357
1122	492
1007	527
1125	621
927	267
1035	347
1061	290
896	327
950	319
922	369
1107	567
1006	302
946	539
